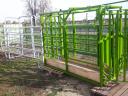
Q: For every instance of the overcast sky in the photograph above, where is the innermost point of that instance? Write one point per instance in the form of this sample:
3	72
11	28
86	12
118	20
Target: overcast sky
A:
15	8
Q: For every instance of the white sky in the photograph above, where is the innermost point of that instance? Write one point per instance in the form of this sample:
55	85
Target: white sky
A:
15	8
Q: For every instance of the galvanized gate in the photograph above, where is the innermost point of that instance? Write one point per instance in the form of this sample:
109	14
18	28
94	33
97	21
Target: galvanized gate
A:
22	39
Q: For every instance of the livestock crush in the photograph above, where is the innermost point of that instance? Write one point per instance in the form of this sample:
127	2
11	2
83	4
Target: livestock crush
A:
89	42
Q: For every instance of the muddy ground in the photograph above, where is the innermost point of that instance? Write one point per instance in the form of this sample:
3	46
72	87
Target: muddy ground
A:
21	77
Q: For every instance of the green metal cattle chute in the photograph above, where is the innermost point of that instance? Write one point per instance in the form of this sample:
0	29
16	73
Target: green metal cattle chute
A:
99	43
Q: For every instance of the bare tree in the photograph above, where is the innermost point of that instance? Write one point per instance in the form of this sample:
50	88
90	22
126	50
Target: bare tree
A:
35	7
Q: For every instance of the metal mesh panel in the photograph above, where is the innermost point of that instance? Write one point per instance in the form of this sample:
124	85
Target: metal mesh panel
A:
82	39
53	37
22	39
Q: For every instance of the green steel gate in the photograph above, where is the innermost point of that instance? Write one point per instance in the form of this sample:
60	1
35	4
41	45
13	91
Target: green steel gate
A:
113	45
100	41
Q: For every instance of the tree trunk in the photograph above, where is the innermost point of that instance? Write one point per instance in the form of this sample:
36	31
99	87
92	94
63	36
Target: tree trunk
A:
33	21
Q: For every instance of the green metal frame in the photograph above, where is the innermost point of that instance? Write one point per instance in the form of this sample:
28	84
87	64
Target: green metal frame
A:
63	41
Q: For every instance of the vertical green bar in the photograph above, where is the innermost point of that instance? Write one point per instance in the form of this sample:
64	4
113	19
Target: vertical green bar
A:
65	41
100	45
51	31
56	36
113	46
110	47
120	36
120	45
42	20
74	34
125	46
98	38
46	39
116	46
105	50
60	34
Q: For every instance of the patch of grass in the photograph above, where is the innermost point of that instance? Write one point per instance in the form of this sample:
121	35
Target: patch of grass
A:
8	94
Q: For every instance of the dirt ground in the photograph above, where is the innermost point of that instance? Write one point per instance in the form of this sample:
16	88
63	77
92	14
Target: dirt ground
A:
21	77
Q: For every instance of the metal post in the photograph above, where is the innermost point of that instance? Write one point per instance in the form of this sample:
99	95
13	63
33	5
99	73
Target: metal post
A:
60	35
74	34
125	46
51	33
21	38
32	37
42	38
100	45
110	45
117	46
65	41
